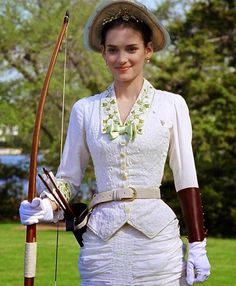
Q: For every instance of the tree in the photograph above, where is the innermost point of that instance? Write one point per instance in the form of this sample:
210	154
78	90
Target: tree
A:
28	36
11	191
201	66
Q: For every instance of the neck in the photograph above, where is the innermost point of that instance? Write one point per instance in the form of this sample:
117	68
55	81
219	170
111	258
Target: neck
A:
128	89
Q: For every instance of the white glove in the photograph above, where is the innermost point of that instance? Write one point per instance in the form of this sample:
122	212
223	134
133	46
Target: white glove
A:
38	210
198	266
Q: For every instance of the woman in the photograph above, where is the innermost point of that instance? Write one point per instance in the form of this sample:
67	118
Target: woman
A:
132	236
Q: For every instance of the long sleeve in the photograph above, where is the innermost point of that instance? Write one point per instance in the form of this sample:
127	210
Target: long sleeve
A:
75	154
180	152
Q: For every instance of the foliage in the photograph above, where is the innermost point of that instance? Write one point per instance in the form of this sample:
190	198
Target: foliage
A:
27	41
11	193
200	65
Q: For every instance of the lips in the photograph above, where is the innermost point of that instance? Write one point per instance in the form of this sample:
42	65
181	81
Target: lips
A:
122	69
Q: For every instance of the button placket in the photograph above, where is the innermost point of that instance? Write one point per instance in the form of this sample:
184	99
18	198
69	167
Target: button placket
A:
123	163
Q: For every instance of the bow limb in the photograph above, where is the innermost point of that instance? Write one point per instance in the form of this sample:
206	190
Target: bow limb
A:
31	245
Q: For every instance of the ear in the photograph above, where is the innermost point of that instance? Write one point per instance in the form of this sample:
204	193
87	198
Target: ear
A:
149	50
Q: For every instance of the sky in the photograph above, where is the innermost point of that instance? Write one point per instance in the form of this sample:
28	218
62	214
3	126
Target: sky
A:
151	4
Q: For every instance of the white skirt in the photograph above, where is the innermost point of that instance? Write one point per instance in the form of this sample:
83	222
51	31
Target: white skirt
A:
130	258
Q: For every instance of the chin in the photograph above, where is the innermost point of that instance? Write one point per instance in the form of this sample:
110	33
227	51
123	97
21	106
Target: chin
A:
125	78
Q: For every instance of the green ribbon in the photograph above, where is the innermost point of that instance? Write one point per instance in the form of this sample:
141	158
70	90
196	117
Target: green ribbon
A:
114	130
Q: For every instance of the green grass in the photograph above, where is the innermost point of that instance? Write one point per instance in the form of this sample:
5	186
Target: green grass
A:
221	252
12	245
222	256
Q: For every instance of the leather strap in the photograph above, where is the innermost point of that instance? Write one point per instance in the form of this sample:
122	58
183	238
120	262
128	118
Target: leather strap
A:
125	194
191	205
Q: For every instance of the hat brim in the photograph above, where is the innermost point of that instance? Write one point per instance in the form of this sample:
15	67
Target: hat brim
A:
94	25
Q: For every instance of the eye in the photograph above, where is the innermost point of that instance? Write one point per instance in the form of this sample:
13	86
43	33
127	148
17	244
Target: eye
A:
132	49
111	50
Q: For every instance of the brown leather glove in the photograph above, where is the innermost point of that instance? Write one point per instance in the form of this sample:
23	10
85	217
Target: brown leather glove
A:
191	205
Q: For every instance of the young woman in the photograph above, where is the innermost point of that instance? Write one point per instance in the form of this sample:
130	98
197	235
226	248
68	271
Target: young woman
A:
132	235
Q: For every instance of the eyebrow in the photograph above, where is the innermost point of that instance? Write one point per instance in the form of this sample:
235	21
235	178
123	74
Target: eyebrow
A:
128	46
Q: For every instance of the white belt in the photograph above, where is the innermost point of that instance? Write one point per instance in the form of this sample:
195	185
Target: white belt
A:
125	194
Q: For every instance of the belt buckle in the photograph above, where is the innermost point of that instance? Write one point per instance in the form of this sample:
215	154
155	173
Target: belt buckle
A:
134	195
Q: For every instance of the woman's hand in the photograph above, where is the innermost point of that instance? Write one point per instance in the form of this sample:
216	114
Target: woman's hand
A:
198	266
39	210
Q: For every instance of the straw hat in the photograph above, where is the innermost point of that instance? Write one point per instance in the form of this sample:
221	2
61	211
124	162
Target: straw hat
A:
110	10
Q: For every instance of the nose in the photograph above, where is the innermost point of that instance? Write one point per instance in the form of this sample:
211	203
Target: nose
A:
122	58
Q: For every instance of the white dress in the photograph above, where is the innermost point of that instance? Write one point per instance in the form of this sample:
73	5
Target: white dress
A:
138	242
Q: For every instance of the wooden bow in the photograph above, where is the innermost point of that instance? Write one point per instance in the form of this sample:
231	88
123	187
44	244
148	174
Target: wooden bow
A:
31	245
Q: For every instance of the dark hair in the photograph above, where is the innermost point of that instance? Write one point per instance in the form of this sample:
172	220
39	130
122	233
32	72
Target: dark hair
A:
139	26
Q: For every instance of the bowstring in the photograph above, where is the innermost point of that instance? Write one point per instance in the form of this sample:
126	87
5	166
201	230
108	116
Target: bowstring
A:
63	97
61	149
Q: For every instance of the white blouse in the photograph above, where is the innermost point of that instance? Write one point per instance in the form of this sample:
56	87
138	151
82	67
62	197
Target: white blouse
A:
130	155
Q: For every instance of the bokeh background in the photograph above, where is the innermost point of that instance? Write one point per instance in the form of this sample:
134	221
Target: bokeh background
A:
199	65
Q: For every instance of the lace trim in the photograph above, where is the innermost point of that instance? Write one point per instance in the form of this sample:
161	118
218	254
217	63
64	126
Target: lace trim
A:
64	187
111	123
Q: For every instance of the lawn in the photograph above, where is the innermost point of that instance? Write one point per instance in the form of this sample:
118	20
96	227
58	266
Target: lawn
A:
221	252
12	244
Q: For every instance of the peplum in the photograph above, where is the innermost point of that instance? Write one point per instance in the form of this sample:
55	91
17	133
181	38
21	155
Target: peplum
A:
123	162
133	154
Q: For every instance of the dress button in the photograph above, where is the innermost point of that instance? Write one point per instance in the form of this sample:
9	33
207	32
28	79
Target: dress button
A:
122	155
123	143
124	176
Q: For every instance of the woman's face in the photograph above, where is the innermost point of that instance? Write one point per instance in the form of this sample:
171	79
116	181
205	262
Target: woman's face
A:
125	53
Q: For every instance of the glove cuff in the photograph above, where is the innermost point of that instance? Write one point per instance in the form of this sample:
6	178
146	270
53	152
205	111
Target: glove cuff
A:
197	244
